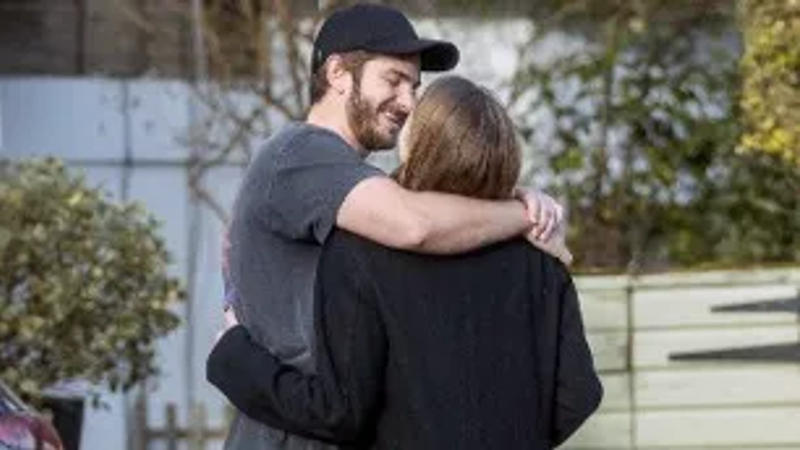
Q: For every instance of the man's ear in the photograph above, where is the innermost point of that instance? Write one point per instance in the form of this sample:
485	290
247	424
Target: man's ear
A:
340	79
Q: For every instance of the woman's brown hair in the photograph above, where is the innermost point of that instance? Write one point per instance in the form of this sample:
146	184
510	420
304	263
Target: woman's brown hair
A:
460	140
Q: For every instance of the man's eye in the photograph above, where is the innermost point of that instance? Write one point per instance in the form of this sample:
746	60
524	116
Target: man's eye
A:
393	81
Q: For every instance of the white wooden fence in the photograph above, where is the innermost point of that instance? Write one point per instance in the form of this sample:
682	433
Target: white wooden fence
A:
655	402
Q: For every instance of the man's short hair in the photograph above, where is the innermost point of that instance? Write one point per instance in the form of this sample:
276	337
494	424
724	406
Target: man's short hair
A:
353	62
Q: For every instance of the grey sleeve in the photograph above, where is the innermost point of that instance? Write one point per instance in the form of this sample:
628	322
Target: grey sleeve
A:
313	176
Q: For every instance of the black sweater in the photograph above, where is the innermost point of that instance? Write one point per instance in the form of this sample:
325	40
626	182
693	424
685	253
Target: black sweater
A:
484	350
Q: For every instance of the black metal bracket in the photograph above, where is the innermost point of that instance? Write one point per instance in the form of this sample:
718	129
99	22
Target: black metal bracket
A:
784	352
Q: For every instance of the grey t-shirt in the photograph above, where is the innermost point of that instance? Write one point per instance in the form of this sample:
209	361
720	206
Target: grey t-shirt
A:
286	208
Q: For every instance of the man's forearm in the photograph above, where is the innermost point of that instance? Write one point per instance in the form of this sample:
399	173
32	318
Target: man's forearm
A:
428	222
453	224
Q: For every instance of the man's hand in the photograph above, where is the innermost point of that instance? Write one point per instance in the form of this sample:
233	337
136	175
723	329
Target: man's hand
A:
543	211
555	246
549	229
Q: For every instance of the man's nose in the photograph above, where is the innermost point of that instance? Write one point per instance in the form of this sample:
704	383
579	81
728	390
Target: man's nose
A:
407	100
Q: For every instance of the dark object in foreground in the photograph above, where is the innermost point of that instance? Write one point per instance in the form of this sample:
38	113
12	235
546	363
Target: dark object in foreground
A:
67	419
22	428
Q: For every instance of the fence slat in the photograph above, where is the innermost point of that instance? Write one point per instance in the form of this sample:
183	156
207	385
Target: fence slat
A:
140	438
197	427
172	427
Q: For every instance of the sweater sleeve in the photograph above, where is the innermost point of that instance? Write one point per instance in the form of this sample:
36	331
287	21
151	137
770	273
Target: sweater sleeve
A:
577	387
337	404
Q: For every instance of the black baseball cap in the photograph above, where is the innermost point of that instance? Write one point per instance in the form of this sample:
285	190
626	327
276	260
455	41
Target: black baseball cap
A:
379	29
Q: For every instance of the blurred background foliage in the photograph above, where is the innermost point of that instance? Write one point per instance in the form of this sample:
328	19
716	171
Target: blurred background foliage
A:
84	289
644	146
771	71
668	127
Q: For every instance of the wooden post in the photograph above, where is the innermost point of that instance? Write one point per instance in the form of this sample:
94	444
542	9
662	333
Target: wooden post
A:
171	431
194	436
139	429
197	427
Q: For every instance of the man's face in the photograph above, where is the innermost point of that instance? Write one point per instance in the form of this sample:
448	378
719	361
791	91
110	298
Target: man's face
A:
382	99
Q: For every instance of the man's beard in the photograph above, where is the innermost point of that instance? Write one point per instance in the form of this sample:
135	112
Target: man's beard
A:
362	117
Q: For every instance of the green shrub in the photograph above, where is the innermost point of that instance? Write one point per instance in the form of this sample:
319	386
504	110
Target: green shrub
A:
771	77
84	290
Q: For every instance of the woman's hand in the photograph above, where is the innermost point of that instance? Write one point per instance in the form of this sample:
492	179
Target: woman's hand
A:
229	321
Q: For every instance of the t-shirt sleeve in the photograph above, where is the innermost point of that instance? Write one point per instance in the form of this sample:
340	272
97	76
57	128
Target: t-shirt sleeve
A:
313	176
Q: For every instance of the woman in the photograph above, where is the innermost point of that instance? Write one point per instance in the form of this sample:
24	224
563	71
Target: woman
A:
476	351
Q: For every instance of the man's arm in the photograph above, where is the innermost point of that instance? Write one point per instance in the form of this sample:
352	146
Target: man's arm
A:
323	184
381	210
339	404
577	387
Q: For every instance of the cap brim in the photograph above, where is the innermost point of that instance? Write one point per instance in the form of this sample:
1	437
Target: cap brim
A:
435	56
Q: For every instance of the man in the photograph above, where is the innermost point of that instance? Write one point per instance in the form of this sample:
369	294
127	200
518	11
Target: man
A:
310	177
